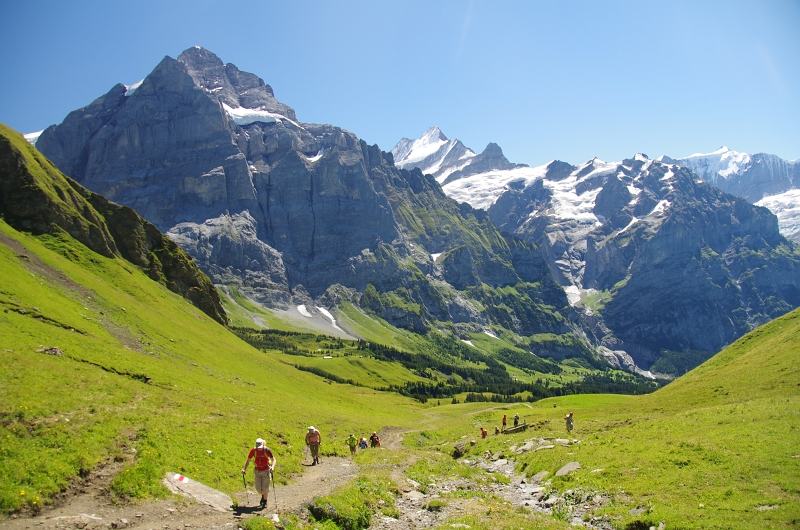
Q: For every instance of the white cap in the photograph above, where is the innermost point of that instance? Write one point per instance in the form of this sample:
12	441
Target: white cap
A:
259	442
311	428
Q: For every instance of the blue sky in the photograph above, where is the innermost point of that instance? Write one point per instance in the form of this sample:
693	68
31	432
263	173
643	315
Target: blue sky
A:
564	80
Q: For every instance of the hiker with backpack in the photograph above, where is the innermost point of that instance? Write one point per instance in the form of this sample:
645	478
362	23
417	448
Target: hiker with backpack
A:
264	465
362	443
568	419
313	441
374	441
352	443
516	420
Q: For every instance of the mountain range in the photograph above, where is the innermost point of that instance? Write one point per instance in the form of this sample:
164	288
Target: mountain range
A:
627	260
653	254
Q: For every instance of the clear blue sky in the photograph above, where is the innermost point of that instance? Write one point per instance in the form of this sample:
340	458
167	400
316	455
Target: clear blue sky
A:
544	79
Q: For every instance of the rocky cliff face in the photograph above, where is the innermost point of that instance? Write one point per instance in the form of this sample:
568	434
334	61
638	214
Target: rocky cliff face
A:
667	261
289	211
36	197
655	258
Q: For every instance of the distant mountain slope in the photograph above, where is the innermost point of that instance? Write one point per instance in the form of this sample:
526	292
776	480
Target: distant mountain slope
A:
297	214
36	197
658	259
750	176
763	179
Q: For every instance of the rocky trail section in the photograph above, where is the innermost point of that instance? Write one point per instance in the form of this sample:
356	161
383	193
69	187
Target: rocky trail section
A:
425	506
88	505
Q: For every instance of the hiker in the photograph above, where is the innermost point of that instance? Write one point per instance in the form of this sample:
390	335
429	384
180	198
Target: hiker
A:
352	442
483	432
568	419
313	441
496	429
504	422
264	465
374	441
362	443
516	420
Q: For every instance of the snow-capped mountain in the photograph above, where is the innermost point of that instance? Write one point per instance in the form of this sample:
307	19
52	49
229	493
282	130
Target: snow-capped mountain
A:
447	160
750	176
302	217
763	179
646	246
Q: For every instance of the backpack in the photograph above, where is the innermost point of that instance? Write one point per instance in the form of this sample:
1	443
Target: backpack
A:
262	458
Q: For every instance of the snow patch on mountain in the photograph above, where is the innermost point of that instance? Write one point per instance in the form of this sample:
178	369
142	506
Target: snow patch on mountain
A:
786	206
722	163
132	89
243	116
33	137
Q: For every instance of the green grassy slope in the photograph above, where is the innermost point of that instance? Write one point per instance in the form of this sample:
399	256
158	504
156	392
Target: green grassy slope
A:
717	448
37	198
144	377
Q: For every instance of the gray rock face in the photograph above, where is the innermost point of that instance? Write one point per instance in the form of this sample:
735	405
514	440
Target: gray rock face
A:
289	211
680	264
228	249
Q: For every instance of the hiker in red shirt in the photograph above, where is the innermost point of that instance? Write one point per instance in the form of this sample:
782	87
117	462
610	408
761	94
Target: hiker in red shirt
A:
265	463
313	440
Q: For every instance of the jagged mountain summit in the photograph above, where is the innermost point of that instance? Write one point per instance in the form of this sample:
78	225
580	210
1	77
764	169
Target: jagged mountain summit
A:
763	179
657	258
447	160
303	217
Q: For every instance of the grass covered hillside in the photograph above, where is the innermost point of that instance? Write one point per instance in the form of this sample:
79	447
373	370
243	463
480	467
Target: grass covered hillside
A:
99	363
37	198
717	448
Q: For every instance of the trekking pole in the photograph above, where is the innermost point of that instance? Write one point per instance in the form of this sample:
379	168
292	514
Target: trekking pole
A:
244	481
274	496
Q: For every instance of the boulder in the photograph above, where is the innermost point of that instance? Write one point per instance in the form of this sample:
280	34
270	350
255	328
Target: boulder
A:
568	468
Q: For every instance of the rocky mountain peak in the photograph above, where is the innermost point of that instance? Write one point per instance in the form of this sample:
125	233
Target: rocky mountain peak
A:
433	134
231	86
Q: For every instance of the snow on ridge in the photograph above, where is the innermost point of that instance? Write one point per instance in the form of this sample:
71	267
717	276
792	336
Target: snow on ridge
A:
243	116
303	311
723	163
786	207
33	137
131	89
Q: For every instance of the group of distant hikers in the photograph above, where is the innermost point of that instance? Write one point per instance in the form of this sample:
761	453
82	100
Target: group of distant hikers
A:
568	419
265	458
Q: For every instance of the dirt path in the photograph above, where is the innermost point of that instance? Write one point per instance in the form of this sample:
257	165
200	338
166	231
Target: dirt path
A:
88	505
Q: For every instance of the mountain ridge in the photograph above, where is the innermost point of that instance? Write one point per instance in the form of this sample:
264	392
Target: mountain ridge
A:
307	214
601	226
